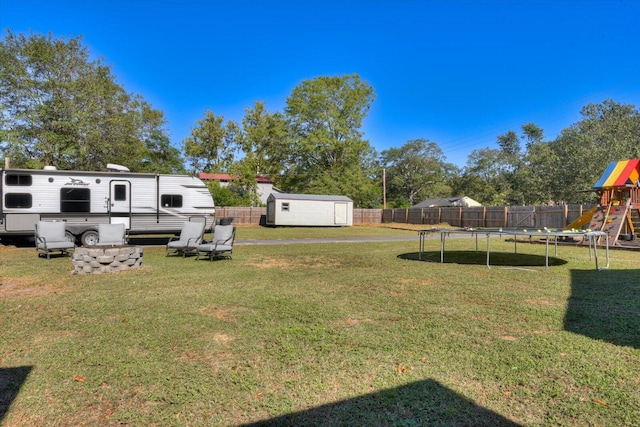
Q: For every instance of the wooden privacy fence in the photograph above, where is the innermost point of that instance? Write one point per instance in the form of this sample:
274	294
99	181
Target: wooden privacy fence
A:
257	216
367	216
242	215
496	216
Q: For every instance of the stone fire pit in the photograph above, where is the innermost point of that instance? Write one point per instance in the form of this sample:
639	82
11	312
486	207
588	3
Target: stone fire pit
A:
96	259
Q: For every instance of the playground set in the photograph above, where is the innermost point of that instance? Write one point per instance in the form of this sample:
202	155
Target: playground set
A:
618	212
613	221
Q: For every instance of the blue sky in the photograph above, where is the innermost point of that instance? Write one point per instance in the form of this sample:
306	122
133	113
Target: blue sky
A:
456	72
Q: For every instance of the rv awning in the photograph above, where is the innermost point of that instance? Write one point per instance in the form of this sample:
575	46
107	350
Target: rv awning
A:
620	174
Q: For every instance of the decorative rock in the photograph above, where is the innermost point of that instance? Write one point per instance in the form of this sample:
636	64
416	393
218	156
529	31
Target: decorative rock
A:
96	260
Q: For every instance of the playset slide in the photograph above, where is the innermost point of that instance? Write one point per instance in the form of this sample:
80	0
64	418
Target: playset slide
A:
584	219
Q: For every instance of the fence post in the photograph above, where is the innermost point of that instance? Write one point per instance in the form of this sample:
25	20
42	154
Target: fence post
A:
506	212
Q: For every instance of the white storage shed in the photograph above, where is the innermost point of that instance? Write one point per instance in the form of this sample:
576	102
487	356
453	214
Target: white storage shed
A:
309	210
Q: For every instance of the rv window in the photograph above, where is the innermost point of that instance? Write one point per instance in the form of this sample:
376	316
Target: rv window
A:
171	200
75	200
23	180
120	192
17	200
285	206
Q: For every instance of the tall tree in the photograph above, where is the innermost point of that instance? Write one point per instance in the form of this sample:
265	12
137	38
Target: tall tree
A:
160	156
212	144
415	171
518	176
485	178
60	108
326	150
531	168
532	134
264	140
509	143
607	132
511	162
534	181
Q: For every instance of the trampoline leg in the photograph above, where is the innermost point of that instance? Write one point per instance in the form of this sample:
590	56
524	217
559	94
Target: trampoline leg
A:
488	249
546	256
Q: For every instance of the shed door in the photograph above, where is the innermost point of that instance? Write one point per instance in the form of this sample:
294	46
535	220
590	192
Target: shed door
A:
271	212
340	213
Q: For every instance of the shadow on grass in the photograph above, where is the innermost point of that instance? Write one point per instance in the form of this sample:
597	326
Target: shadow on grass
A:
505	259
18	241
605	306
422	403
28	242
11	381
148	240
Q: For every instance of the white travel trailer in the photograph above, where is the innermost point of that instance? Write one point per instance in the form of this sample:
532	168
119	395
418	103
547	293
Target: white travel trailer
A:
309	210
145	203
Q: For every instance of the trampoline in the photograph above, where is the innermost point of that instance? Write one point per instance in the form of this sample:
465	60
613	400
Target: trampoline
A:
590	236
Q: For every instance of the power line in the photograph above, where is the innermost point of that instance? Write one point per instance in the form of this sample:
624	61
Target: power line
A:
470	142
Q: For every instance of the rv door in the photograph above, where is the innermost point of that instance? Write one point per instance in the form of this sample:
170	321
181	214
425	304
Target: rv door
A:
120	202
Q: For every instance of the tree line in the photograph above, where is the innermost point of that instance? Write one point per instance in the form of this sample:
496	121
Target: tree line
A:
60	107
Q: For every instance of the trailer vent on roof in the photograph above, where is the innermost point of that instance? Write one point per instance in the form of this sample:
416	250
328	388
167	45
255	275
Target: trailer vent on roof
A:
112	167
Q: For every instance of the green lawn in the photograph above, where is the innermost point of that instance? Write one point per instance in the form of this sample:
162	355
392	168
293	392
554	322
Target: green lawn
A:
323	334
283	233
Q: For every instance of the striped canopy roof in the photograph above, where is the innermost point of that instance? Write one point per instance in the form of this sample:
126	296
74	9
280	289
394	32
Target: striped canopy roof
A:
620	174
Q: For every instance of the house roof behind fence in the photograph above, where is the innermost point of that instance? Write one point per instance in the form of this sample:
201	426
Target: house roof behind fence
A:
447	201
224	177
290	196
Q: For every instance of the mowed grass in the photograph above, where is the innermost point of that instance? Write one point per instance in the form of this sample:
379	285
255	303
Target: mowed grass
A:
323	334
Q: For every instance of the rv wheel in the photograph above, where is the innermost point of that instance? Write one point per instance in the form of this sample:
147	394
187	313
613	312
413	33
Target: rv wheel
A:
89	238
69	237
